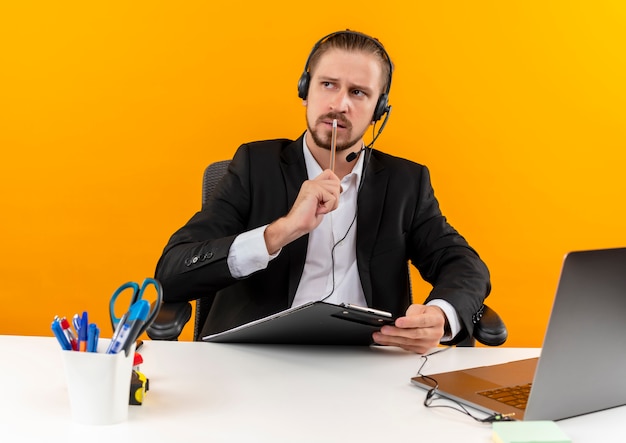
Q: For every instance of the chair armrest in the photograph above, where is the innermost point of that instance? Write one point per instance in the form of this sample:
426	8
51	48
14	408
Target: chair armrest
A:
170	321
490	330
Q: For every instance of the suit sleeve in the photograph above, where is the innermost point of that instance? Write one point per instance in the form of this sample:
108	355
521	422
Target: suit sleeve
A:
194	261
445	260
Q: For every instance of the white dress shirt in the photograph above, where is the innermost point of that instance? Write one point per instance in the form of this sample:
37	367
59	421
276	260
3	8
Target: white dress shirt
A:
330	271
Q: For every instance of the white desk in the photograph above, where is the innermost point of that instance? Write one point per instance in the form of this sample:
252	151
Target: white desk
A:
251	393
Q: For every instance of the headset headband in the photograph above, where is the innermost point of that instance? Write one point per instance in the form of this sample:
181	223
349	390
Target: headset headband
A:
382	106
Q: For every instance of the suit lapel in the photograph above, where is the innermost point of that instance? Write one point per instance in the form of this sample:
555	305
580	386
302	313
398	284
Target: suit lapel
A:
294	173
370	201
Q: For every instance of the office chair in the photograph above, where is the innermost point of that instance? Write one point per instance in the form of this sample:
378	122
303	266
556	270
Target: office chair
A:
173	316
489	328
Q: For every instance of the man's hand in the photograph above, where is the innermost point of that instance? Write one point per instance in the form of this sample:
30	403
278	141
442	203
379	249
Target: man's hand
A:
316	198
418	331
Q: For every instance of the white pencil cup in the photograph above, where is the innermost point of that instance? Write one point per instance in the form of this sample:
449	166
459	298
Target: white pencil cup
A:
98	384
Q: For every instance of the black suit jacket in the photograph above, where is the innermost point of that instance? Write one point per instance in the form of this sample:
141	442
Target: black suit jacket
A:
398	220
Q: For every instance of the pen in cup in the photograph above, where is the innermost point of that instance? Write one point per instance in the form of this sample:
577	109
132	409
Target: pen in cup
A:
76	322
67	330
60	335
93	334
333	145
85	338
83	332
129	327
119	327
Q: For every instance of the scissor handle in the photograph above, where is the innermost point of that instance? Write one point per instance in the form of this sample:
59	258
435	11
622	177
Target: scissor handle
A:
135	296
156	306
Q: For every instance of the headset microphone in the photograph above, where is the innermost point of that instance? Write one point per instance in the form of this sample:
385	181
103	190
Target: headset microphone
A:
353	155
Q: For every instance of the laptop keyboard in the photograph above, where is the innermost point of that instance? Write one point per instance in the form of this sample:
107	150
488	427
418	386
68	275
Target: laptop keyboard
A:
516	396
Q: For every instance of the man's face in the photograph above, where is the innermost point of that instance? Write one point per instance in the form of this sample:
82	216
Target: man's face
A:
344	86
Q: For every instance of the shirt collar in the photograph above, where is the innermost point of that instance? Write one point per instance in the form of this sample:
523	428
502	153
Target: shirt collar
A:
313	169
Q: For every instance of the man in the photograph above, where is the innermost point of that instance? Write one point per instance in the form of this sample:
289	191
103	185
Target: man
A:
283	229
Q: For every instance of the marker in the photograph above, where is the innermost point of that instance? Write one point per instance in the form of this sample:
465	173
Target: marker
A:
118	329
333	145
92	338
83	332
60	335
130	328
143	311
67	330
76	322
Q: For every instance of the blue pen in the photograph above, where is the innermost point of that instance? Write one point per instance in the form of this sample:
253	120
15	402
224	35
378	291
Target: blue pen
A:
83	332
76	322
136	328
119	327
92	338
129	330
60	335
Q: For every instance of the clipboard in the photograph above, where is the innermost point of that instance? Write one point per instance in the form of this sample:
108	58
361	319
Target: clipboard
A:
314	323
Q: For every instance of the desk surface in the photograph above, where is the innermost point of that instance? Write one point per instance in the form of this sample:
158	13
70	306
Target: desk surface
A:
255	393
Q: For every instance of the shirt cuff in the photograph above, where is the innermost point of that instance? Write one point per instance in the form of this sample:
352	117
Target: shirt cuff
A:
451	315
248	253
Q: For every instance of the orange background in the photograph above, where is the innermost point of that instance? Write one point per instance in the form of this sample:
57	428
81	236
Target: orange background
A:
109	112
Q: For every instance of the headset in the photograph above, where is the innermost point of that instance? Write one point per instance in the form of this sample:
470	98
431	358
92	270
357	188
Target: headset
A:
382	105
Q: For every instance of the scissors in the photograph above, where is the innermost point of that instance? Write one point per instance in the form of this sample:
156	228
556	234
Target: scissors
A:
136	295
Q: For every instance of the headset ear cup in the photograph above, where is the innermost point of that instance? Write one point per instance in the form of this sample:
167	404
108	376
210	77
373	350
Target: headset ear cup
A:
303	85
381	107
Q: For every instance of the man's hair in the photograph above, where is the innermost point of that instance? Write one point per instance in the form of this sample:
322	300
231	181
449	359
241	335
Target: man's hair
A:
353	41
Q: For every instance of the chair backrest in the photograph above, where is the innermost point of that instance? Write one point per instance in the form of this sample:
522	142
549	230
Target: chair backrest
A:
211	177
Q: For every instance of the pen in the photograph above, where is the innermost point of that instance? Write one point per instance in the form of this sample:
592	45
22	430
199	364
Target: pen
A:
82	333
119	327
333	145
130	327
76	322
133	335
60	335
67	330
92	338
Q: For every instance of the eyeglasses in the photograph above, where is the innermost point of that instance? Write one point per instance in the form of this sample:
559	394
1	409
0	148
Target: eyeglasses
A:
433	395
430	381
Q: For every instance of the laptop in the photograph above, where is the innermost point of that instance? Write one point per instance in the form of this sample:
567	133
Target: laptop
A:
583	359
